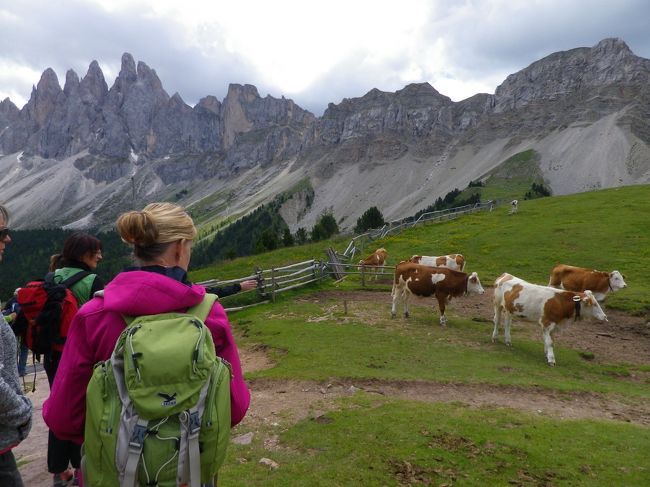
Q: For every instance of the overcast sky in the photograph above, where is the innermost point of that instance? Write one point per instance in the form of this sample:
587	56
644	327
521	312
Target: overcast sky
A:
312	52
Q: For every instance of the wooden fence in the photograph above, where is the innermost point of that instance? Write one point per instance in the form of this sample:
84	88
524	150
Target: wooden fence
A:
271	282
358	243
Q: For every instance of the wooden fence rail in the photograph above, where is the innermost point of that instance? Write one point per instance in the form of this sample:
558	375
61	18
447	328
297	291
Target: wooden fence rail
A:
274	281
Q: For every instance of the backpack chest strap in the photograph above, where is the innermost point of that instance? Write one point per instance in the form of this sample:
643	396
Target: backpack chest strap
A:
136	442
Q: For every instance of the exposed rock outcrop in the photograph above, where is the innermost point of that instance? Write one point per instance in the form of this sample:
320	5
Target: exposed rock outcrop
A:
133	134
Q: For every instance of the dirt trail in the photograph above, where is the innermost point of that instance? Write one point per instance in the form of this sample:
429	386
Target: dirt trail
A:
280	403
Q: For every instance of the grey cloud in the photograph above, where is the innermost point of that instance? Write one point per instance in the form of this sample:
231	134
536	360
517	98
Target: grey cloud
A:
71	37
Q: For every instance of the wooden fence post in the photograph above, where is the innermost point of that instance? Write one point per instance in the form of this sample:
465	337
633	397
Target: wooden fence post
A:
273	284
363	276
260	281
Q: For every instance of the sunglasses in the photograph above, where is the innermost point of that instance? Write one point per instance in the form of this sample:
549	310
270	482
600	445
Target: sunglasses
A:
4	233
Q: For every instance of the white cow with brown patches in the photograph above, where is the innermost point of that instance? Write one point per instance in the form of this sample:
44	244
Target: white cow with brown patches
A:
451	261
574	278
548	306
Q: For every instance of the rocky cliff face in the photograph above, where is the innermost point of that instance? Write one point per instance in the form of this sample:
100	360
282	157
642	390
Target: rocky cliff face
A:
133	134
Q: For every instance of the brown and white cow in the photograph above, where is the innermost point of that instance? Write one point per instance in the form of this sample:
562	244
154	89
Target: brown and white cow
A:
422	280
451	261
375	261
576	279
548	306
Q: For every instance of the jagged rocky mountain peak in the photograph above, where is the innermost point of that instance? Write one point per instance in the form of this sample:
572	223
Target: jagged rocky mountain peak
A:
48	82
93	86
210	103
127	70
71	82
415	131
244	92
612	45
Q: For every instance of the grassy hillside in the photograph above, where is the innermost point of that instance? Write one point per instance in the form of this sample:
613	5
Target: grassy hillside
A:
604	230
370	437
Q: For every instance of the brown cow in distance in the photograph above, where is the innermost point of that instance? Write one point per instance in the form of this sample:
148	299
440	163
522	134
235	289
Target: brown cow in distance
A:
374	261
425	281
579	279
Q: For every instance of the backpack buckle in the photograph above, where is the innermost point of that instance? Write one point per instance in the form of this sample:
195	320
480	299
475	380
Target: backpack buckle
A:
137	437
195	423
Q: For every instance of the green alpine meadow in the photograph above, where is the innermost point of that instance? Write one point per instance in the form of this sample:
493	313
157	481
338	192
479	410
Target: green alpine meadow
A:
408	402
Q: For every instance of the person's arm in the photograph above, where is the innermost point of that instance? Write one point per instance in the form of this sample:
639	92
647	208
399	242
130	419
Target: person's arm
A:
223	291
64	411
225	346
15	408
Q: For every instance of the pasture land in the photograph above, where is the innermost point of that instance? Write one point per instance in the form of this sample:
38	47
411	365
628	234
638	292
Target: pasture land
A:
343	395
356	398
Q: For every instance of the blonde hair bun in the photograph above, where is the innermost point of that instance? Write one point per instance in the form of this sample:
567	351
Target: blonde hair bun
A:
156	225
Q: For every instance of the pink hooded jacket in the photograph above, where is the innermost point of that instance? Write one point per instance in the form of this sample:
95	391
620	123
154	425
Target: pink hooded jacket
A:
96	328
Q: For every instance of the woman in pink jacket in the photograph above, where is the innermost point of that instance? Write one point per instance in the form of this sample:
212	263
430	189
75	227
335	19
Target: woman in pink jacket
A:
161	236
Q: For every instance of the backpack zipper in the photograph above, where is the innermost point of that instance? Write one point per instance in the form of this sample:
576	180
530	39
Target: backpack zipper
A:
216	370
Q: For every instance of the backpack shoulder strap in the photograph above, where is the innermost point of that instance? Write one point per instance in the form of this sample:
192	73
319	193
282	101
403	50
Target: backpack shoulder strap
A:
201	310
72	280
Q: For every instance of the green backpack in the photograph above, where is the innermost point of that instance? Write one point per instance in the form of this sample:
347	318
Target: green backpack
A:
158	411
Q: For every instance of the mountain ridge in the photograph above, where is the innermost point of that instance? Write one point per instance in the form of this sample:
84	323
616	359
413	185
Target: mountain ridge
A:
131	143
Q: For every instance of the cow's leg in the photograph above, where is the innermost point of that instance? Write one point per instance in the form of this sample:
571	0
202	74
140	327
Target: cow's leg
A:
405	297
396	295
506	328
497	320
548	344
441	304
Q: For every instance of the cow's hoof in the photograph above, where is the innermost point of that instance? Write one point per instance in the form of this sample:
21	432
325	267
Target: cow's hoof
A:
551	364
392	316
406	315
508	344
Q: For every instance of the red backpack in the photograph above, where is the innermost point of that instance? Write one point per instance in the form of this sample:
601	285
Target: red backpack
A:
49	308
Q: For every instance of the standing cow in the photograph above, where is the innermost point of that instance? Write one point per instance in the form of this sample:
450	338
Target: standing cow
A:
425	281
548	306
576	279
451	261
374	261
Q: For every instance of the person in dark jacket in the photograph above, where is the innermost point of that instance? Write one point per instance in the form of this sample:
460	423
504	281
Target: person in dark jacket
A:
15	408
223	291
81	253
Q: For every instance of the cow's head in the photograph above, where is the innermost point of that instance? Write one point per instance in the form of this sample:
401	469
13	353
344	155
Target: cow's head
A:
415	259
616	281
591	306
474	284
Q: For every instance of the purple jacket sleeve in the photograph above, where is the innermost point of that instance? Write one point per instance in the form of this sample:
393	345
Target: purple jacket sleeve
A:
226	348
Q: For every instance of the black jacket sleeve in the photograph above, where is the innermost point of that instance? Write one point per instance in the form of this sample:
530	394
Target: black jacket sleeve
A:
224	291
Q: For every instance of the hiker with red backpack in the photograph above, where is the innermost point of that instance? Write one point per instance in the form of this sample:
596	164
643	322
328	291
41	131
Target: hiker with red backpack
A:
50	306
151	369
15	408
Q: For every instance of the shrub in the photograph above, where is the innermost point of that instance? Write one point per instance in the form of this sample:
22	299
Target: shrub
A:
372	218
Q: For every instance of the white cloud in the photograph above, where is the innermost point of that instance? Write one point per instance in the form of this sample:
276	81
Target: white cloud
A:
312	52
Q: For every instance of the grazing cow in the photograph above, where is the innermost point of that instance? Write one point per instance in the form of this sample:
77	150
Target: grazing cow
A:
549	306
579	279
451	261
514	206
425	281
374	261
